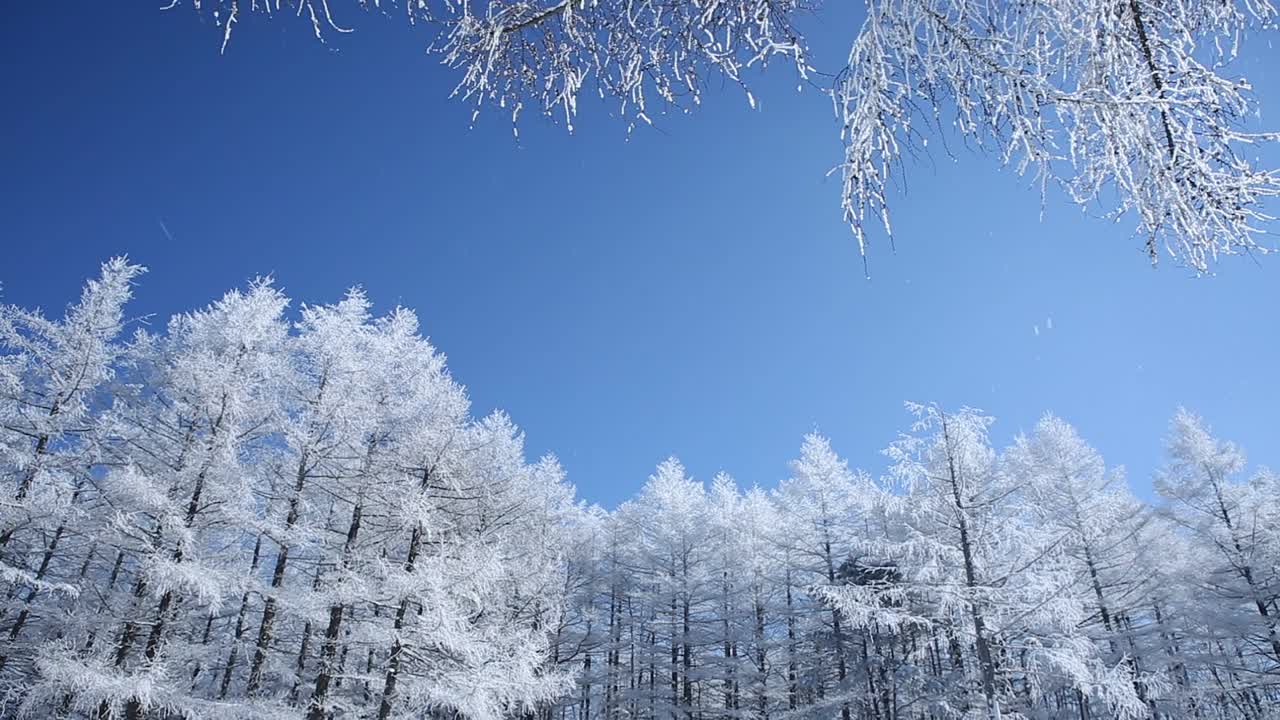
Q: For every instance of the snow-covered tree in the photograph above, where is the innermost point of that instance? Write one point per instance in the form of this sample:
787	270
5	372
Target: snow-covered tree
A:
973	557
669	520
177	494
819	501
1229	610
1069	491
53	374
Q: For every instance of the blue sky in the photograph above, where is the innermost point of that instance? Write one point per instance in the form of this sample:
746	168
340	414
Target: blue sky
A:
690	290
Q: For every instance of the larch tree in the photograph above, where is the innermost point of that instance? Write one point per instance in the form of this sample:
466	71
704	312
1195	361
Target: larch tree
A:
175	495
1069	489
674	551
1231	555
763	685
53	377
820	501
325	406
1001	582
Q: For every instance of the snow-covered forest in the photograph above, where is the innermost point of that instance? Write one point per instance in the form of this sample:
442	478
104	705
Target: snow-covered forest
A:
266	510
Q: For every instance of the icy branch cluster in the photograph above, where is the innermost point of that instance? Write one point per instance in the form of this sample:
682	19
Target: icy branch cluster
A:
1127	105
515	53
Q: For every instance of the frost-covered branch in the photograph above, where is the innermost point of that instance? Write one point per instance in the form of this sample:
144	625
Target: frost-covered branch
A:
1122	104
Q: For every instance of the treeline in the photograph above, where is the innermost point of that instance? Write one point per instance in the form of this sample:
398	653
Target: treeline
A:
260	513
967	582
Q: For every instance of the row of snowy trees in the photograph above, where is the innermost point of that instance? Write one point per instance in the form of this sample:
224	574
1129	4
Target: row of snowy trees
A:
258	513
968	582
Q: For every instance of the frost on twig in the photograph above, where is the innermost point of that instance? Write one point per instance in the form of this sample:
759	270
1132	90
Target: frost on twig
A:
545	53
1123	103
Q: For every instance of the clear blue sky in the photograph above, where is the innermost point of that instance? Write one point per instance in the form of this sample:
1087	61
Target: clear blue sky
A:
689	291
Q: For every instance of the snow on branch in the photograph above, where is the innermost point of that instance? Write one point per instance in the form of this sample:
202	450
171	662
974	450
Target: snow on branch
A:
1123	104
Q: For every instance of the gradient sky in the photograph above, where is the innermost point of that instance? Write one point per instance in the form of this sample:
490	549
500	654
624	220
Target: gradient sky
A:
690	290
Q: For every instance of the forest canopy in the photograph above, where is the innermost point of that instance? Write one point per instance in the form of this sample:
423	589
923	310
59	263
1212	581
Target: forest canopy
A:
264	511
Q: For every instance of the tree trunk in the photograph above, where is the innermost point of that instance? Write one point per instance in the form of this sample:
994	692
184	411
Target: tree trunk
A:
234	653
328	652
986	662
267	625
397	647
